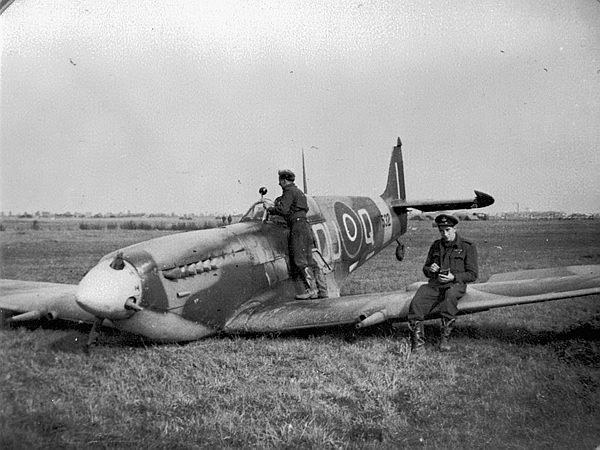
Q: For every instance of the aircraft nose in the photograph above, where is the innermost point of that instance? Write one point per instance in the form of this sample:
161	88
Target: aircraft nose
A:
111	290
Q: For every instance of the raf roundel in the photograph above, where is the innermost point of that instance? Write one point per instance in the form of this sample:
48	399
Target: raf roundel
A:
350	228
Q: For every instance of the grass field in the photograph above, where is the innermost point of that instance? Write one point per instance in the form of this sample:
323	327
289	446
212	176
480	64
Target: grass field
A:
521	377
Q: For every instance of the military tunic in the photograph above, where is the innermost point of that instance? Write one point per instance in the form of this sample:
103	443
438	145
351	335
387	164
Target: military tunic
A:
458	256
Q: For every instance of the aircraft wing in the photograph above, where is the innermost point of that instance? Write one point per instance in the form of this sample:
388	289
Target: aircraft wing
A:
522	287
531	286
31	300
481	200
283	315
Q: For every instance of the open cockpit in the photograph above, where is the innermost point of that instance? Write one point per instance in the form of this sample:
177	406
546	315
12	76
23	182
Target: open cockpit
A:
258	211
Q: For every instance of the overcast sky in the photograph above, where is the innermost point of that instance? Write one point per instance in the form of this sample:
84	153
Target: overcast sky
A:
191	106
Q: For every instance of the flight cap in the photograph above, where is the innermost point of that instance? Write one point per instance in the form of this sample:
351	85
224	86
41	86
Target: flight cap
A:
287	175
446	220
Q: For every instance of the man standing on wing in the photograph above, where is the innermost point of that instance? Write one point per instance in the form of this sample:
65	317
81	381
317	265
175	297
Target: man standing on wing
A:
293	206
451	264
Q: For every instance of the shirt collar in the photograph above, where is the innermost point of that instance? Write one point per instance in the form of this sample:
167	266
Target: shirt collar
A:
455	243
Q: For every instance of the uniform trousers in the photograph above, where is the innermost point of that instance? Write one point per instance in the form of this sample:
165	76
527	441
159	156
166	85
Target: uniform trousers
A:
300	246
439	298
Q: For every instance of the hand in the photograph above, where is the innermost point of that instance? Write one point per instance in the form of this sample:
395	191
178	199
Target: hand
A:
434	268
446	278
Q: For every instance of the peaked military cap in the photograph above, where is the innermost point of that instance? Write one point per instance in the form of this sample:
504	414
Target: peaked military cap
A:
287	174
446	220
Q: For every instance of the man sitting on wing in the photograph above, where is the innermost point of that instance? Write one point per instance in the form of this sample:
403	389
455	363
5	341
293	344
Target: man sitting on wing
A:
451	264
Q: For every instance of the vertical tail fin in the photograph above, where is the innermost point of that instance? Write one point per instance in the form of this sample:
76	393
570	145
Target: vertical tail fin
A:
395	182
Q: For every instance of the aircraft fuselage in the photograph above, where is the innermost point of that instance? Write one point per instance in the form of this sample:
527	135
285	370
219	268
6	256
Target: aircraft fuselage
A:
192	283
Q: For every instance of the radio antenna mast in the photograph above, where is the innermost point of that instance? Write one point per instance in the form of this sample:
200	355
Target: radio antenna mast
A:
304	173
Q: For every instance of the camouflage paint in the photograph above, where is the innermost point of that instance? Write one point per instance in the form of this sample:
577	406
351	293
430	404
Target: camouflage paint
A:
206	277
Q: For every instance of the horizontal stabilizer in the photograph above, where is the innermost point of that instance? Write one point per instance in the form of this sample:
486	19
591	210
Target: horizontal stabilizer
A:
481	200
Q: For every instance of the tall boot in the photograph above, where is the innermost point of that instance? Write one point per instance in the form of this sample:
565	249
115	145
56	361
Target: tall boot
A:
310	288
417	336
447	327
299	286
321	282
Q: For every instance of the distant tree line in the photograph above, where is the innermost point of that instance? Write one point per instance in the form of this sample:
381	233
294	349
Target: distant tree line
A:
147	225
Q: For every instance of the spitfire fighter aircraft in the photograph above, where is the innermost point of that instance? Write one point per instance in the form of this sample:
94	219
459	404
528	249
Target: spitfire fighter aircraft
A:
236	278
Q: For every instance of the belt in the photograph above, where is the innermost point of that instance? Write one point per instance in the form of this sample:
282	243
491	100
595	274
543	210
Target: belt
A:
298	219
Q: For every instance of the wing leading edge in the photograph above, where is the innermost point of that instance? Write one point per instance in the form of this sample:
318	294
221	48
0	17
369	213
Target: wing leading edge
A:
522	287
32	300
